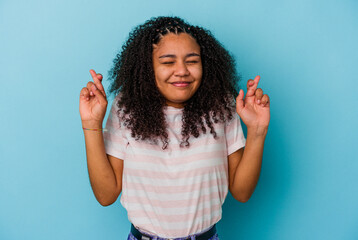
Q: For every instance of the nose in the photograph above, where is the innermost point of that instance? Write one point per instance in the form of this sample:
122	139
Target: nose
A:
181	70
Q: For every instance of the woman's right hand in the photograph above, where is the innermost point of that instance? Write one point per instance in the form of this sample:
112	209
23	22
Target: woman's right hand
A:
93	102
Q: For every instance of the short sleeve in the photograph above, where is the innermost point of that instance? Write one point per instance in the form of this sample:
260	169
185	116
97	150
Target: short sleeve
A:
115	142
235	138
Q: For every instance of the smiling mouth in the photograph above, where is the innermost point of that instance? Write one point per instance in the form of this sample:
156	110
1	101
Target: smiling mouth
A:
181	84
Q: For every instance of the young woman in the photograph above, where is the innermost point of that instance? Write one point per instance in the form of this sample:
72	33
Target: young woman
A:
174	145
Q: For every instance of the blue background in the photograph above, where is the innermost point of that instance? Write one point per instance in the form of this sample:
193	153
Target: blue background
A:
305	52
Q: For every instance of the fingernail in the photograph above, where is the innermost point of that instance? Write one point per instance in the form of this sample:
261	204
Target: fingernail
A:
258	101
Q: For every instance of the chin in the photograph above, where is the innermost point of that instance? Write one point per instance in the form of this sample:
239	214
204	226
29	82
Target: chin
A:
179	101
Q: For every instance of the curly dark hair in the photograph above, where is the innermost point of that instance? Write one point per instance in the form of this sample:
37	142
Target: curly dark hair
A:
142	104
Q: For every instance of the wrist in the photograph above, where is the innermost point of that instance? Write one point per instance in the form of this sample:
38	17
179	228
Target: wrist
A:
91	124
257	132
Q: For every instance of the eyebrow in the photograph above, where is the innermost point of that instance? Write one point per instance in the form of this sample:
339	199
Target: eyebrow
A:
173	56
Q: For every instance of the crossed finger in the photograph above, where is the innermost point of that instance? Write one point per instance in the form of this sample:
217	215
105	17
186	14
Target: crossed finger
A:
97	78
252	85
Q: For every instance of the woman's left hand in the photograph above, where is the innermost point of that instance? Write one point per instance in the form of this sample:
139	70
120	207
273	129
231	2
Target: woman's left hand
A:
254	110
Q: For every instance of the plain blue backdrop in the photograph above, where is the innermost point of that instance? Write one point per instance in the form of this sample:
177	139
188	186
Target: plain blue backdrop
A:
305	52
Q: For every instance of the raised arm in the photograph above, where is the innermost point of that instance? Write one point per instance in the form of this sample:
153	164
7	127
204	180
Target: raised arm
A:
245	164
105	171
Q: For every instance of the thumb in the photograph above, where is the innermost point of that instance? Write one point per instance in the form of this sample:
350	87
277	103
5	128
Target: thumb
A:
240	101
102	100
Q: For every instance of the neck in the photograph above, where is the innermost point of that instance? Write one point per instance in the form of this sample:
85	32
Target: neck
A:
175	105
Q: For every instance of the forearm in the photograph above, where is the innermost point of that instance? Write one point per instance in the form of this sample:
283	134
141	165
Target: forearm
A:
248	170
101	174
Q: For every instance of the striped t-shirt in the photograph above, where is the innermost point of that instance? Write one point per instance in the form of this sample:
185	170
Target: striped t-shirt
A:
174	192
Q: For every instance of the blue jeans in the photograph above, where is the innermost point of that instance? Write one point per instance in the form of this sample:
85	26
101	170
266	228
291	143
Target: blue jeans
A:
131	237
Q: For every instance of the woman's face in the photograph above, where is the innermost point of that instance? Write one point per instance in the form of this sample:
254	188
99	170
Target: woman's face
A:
177	68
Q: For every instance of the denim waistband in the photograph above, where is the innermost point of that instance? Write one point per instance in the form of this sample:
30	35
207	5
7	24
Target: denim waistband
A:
201	236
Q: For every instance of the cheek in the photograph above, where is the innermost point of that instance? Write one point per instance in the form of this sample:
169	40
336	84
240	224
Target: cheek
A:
197	72
162	75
